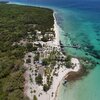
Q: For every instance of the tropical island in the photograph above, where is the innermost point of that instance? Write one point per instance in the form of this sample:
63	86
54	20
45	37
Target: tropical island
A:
32	63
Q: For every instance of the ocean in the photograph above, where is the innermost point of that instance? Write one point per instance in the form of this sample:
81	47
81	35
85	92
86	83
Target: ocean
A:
80	24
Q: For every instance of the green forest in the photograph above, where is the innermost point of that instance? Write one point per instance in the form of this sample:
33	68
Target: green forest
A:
15	23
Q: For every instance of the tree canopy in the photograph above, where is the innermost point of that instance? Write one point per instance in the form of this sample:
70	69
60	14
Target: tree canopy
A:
15	23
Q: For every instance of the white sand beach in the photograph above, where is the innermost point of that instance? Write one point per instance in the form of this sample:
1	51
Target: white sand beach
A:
62	72
57	31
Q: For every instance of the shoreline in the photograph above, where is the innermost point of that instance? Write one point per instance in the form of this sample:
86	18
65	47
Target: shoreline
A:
69	79
52	93
56	30
66	71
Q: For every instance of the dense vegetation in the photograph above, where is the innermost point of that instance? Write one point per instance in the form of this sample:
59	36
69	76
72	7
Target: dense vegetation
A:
39	79
34	98
45	87
15	23
68	63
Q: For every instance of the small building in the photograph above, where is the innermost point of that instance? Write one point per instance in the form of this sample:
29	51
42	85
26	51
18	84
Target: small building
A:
38	32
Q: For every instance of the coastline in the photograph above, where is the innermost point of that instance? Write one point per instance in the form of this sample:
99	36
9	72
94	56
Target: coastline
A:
56	29
76	70
52	93
69	71
63	72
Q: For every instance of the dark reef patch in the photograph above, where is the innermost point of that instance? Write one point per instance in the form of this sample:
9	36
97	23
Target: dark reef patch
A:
73	76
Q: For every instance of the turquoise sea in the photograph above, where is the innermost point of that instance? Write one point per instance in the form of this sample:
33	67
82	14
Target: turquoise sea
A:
82	27
80	24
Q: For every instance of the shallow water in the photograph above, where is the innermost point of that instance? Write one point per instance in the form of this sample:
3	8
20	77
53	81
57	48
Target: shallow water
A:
81	29
86	89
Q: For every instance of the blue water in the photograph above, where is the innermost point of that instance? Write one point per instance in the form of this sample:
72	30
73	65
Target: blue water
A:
80	21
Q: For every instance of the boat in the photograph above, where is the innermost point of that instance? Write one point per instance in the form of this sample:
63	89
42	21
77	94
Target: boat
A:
65	82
